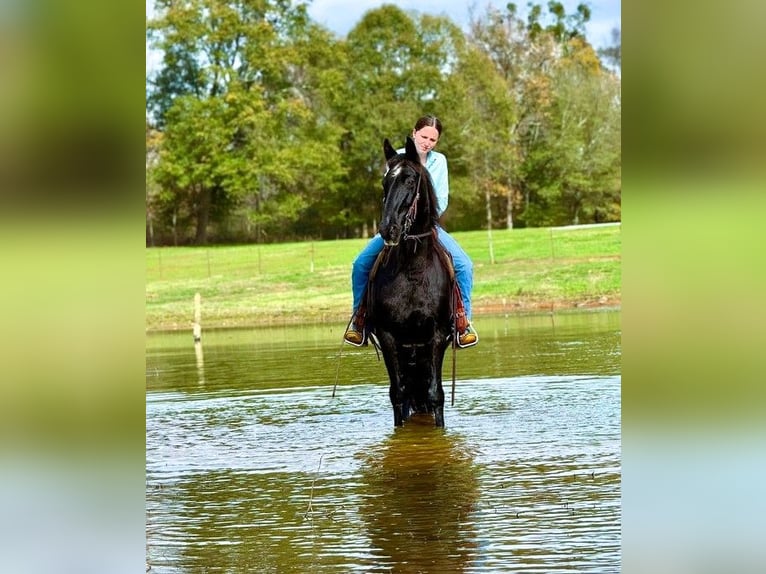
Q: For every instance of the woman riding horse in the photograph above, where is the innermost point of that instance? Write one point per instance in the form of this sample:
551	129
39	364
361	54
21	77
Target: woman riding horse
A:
425	134
410	298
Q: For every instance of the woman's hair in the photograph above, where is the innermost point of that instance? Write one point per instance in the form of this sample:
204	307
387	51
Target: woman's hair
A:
431	121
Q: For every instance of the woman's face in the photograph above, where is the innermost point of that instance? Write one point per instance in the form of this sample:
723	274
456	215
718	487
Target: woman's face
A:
425	138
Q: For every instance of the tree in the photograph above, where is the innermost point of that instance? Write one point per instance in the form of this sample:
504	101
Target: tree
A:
560	94
484	118
263	126
585	147
153	138
194	161
238	112
613	54
399	67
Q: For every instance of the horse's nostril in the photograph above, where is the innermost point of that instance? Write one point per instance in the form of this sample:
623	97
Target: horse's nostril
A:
389	231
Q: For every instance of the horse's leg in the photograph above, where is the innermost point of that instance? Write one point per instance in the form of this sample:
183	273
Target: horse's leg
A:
408	365
398	401
437	400
436	397
406	406
396	386
435	389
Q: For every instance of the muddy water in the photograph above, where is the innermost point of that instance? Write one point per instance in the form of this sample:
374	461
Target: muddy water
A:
252	465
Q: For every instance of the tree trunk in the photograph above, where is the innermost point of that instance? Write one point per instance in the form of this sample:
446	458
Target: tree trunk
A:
509	212
151	230
487	199
203	216
175	228
577	207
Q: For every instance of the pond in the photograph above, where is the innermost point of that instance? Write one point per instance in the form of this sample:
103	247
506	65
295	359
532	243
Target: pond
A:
253	466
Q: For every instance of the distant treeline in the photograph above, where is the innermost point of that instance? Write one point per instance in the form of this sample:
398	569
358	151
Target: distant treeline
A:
262	126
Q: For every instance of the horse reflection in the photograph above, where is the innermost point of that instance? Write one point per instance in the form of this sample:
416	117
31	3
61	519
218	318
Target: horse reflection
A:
421	489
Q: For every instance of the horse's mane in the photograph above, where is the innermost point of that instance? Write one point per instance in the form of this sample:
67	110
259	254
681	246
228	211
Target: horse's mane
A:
432	202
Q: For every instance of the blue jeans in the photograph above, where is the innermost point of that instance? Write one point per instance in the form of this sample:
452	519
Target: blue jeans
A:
363	263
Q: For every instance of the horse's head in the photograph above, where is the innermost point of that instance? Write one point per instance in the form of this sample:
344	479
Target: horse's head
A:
407	195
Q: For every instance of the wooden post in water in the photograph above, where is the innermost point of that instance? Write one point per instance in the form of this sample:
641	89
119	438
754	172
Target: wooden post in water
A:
197	327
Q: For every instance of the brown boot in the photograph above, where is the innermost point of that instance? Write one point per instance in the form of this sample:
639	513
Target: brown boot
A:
467	338
355	334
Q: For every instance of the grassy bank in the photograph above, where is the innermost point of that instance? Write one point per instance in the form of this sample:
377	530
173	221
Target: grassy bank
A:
534	269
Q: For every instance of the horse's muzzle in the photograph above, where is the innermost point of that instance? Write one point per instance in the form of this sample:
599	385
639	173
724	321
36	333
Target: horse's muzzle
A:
391	235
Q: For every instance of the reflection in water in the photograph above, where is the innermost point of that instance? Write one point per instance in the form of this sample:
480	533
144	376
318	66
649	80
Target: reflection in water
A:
222	524
420	488
251	466
200	362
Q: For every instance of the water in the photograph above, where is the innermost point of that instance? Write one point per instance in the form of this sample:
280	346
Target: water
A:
253	466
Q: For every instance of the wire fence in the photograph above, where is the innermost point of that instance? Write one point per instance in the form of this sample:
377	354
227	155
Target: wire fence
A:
243	261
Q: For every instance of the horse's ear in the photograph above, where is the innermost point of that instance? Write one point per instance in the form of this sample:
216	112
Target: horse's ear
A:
411	151
388	150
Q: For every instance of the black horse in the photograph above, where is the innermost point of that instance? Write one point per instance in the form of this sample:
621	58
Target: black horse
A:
409	297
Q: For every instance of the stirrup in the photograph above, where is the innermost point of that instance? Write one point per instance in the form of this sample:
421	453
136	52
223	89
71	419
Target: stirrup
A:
469	331
352	328
361	343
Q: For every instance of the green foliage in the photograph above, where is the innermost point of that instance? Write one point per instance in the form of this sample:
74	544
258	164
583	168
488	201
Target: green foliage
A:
399	72
566	136
265	127
246	135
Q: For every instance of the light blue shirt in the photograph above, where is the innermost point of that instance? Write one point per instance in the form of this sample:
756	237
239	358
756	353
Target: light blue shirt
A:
436	164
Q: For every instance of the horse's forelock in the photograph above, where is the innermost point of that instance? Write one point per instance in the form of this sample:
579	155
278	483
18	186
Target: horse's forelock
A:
396	169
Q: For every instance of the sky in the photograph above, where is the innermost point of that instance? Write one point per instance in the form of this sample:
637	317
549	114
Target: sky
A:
340	16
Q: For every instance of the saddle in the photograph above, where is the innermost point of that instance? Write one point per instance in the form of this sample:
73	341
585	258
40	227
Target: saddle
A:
459	319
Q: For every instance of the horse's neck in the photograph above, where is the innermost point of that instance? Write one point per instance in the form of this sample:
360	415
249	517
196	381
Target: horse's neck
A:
423	224
418	245
421	233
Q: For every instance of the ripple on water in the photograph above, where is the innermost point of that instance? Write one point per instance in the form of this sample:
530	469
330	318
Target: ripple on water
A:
526	477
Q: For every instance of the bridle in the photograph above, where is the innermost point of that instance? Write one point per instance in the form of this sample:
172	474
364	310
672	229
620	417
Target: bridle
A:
412	213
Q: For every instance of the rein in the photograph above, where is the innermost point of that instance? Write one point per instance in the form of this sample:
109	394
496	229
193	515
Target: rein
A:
412	213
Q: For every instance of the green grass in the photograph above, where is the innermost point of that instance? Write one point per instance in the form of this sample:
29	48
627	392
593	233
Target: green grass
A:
248	285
